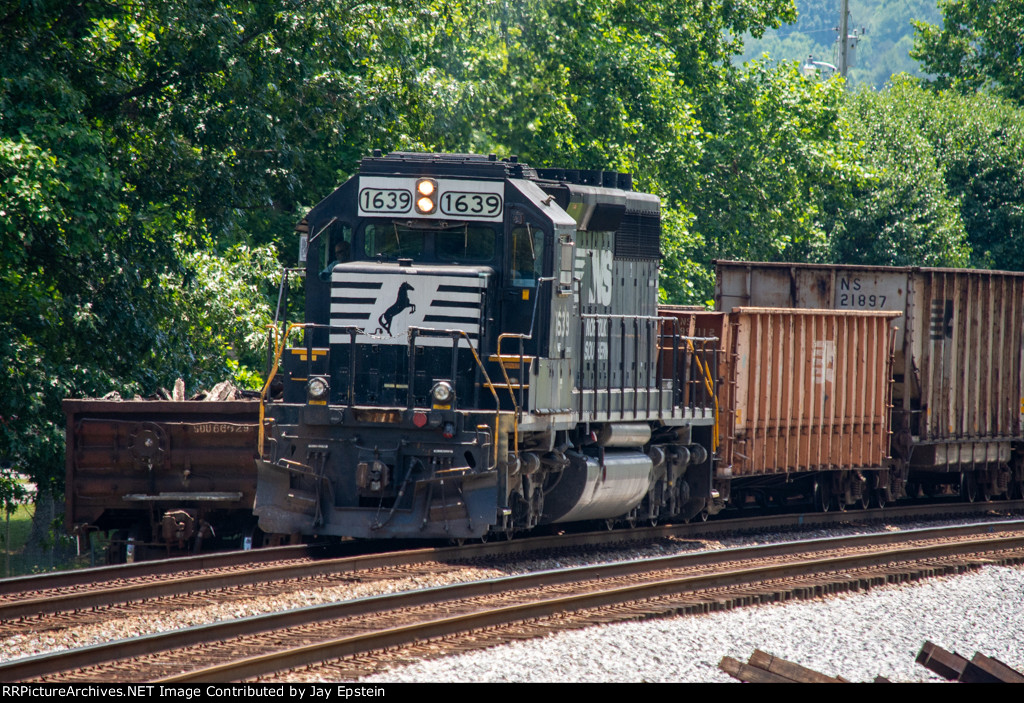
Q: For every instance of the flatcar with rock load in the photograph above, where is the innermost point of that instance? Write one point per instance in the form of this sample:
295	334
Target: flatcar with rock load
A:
161	477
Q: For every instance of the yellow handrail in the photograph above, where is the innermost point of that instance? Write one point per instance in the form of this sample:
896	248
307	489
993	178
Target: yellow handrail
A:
508	384
709	384
279	344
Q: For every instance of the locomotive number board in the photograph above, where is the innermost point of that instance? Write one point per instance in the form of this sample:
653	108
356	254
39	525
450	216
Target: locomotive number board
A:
453	200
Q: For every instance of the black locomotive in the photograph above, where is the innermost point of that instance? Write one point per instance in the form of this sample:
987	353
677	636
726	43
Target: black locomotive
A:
482	352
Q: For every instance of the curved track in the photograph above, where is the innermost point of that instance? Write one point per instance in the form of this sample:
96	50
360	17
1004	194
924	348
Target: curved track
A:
562	598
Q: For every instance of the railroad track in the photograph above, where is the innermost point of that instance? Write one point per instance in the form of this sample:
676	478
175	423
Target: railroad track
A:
62	599
360	636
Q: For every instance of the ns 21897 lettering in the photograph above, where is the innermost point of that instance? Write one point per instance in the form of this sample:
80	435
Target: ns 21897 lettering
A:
861	300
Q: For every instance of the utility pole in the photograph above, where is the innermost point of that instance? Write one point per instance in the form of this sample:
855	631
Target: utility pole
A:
844	39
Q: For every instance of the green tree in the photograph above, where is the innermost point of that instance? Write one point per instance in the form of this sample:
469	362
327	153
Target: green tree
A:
139	144
978	141
901	215
774	160
977	46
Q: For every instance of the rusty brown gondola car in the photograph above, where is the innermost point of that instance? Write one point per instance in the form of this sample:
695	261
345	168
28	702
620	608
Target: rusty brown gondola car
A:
161	477
958	392
803	403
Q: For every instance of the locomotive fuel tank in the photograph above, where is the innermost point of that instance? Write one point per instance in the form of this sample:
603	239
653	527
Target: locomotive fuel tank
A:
597	487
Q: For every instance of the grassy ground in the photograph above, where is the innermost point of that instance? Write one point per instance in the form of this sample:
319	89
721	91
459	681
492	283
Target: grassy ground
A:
20	554
14	535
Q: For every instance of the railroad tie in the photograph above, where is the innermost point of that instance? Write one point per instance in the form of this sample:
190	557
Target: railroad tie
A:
954	667
763	667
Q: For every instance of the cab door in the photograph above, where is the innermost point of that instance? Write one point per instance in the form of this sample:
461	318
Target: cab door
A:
526	263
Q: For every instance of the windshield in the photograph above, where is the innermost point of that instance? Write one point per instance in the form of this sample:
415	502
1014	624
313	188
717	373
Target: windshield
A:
464	243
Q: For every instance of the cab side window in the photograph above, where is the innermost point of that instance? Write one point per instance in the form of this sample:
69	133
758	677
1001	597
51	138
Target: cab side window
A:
526	255
337	248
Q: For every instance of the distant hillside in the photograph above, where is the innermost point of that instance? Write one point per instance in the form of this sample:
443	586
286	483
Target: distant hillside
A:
881	52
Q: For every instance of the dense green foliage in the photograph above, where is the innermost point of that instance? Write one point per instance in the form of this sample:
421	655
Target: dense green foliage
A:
977	142
155	157
901	215
978	45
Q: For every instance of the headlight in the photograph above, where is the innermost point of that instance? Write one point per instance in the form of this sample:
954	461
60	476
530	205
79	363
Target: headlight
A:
317	388
426	196
442	392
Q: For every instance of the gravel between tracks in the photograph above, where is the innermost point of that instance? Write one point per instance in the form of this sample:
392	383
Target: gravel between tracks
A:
857	636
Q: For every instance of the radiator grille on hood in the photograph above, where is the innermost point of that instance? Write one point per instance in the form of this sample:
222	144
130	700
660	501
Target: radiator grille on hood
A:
385	304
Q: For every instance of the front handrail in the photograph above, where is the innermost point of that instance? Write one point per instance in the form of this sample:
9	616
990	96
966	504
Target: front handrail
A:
279	342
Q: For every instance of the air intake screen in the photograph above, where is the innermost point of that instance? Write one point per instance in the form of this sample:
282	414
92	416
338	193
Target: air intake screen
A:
639	237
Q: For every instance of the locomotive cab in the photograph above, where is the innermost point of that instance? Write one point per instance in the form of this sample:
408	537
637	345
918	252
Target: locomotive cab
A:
471	325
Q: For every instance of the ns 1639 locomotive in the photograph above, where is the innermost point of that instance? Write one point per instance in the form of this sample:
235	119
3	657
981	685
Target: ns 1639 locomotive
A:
482	353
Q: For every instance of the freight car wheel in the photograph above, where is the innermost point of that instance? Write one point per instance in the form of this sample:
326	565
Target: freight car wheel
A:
864	502
116	547
968	487
1016	490
252	538
986	493
880	497
822	496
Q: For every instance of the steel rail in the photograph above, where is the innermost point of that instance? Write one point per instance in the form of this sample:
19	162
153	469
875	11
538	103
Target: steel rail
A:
155	567
46	664
264	569
547	607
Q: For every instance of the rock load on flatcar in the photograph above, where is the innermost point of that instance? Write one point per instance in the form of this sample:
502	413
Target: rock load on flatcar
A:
162	477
